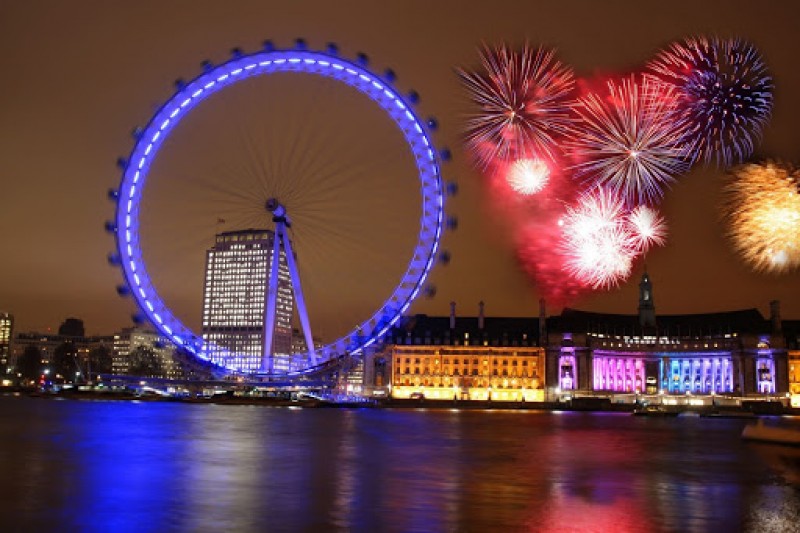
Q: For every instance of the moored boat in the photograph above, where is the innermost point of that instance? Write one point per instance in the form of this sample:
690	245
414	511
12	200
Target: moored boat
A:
655	410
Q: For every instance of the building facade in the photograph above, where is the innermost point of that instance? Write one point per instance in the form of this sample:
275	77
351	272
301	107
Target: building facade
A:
47	343
461	358
791	329
127	340
234	301
736	353
6	336
733	352
468	373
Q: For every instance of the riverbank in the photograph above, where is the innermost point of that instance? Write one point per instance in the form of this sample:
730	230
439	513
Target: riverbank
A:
747	408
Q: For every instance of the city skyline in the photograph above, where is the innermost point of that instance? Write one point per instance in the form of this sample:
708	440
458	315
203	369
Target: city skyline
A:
57	156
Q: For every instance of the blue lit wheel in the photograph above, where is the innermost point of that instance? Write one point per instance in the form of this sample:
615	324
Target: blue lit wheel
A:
241	67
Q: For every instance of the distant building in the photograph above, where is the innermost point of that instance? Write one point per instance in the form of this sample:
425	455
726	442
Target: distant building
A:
6	336
127	340
47	343
234	301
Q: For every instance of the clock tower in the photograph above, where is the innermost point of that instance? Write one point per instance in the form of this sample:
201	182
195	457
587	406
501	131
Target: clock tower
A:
647	308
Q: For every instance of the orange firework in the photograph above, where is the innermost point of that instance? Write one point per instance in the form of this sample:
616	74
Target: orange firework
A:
762	210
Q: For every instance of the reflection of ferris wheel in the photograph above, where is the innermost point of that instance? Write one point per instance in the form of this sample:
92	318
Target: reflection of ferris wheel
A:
352	74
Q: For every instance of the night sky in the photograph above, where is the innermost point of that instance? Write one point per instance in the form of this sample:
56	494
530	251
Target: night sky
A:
78	76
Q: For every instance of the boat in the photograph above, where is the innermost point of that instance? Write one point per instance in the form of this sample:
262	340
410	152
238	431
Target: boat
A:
654	410
774	435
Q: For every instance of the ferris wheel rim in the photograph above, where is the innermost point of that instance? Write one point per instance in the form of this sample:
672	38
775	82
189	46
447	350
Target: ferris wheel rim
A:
355	75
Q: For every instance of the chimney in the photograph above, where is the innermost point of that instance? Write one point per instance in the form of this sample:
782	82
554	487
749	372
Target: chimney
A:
542	323
775	315
480	314
452	315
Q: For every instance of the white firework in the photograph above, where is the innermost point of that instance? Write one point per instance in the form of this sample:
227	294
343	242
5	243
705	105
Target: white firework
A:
528	176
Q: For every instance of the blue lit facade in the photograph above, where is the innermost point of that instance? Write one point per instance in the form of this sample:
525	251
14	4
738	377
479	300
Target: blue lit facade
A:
734	352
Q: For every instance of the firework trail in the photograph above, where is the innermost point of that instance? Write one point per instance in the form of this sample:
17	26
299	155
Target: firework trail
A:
761	208
724	95
521	100
628	141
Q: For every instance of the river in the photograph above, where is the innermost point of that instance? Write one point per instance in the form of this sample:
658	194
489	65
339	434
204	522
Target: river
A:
70	465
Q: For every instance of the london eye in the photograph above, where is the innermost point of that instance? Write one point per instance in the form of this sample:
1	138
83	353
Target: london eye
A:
283	201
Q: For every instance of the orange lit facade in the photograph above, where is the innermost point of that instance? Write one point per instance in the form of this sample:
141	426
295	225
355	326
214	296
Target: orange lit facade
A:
794	371
442	372
794	376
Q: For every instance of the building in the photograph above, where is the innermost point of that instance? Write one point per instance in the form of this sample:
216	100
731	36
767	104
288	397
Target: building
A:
461	358
47	343
791	331
736	353
127	340
234	301
6	336
299	351
732	352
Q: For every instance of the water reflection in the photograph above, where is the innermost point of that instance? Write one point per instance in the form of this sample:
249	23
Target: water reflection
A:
173	467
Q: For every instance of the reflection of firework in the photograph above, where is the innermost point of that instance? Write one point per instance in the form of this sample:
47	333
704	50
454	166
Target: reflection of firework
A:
628	142
522	101
724	95
647	227
598	244
528	176
762	210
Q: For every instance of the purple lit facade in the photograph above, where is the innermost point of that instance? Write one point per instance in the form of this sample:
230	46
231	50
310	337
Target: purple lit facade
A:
567	366
734	352
620	374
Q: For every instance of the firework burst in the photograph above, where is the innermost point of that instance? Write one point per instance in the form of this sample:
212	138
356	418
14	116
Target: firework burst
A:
647	228
724	95
627	142
762	210
528	176
597	242
522	101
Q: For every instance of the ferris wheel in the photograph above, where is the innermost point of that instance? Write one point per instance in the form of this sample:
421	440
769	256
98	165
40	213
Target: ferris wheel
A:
129	256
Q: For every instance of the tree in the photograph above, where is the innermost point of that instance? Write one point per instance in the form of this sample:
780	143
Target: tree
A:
65	361
29	364
144	361
100	361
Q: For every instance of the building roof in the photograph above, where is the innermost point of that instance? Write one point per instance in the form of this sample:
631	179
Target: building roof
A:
244	231
424	329
739	321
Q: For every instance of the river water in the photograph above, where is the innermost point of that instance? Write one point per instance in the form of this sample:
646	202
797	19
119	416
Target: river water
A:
69	465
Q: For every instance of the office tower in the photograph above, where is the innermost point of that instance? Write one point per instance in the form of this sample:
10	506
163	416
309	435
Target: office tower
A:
234	296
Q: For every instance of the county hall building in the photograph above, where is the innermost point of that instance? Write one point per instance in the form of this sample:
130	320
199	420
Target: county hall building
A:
736	353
